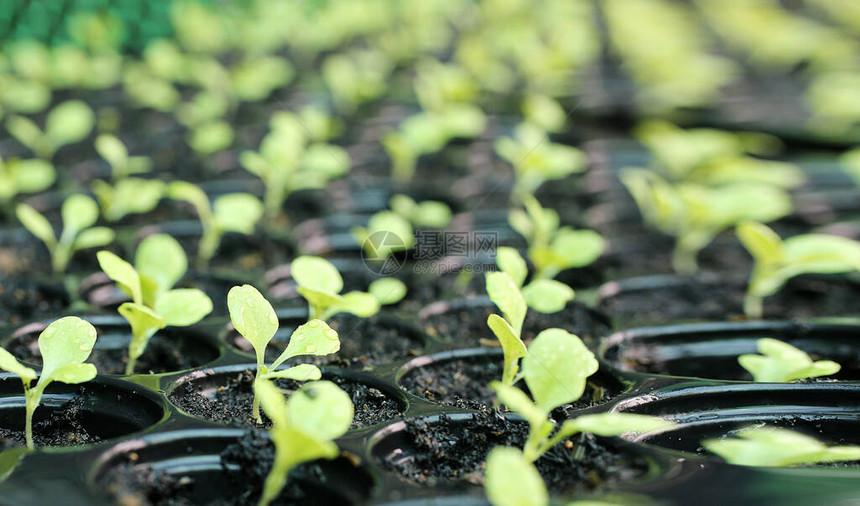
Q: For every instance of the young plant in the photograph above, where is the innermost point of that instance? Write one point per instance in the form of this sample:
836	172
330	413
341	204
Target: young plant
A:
553	248
320	284
536	159
776	260
694	214
116	154
130	195
64	345
780	362
23	176
290	159
505	294
542	295
255	319
161	262
67	123
775	447
79	214
304	427
233	212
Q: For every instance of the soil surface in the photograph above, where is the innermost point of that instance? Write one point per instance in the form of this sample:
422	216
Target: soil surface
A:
449	451
64	427
23	300
232	402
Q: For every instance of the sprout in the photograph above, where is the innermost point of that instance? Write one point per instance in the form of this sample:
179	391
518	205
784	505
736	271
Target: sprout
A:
542	295
320	284
511	480
79	214
116	154
64	345
210	137
536	159
504	293
544	112
553	248
256	77
160	262
389	232
356	77
694	214
427	213
781	362
776	261
24	176
233	212
67	123
255	319
128	196
771	446
304	427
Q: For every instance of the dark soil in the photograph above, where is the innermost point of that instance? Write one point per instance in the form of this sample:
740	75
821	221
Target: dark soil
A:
465	383
244	467
23	299
466	325
162	355
448	451
231	403
700	298
363	342
64	427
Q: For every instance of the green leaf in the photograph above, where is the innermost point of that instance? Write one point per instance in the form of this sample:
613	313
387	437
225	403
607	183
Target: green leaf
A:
32	175
557	367
432	214
544	112
781	362
74	373
301	372
517	401
95	237
79	212
317	274
321	409
183	306
181	190
69	340
238	212
387	290
771	446
506	295
69	122
312	338
144	323
511	262
272	401
578	248
360	304
388	232
161	258
512	346
25	131
547	295
320	301
114	151
36	224
253	317
122	273
9	363
211	137
761	241
511	480
615	424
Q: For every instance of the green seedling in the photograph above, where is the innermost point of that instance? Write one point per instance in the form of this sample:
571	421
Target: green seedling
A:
320	284
67	123
505	294
542	295
116	154
79	214
161	262
427	213
544	112
210	137
255	319
304	427
775	261
290	159
536	159
553	248
389	232
24	176
356	77
233	212
127	196
694	214
511	480
64	345
780	362
555	370
775	447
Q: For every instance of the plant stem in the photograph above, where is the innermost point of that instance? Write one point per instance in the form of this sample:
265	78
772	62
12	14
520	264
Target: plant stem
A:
129	367
753	306
29	408
684	260
208	246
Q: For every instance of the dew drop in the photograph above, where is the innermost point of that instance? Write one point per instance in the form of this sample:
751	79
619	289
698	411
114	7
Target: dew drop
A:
331	334
313	324
311	348
84	347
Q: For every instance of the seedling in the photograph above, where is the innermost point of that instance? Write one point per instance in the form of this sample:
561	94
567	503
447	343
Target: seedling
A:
536	159
255	319
553	248
694	214
24	176
542	295
776	260
64	345
67	123
320	284
160	263
79	214
116	154
427	213
780	362
505	294
775	447
128	196
511	480
304	427
233	212
289	159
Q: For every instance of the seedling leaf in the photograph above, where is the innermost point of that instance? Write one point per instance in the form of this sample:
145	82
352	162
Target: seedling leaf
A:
36	224
614	424
547	295
556	368
511	480
122	273
506	295
68	340
183	306
312	338
144	323
79	212
95	237
512	346
387	290
771	446
511	262
253	317
321	409
361	304
316	273
781	362
238	212
300	372
160	258
9	363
